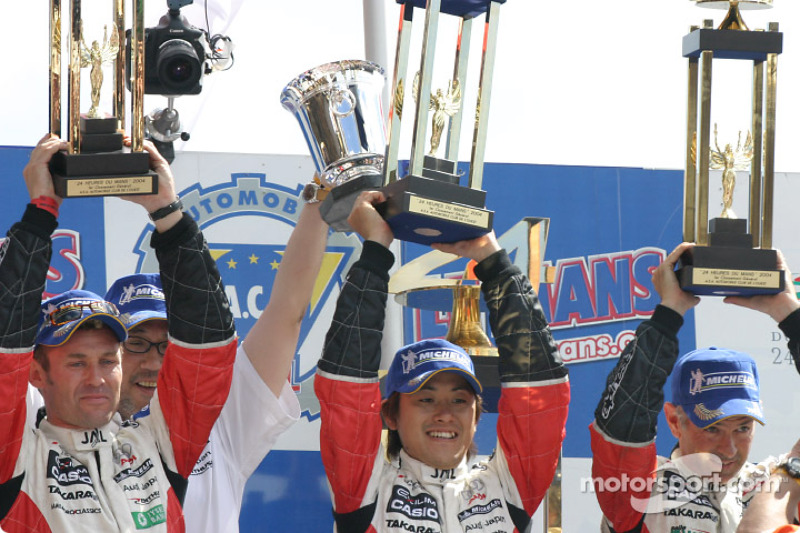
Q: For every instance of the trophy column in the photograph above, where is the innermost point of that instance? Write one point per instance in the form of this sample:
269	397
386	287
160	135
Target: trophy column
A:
95	162
427	203
729	260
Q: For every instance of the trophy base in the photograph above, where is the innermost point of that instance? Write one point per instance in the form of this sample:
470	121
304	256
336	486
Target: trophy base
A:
729	271
102	174
426	211
336	207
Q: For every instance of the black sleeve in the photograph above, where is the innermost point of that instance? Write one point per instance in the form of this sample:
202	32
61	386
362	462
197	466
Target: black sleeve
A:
353	342
634	395
528	352
791	328
24	261
197	306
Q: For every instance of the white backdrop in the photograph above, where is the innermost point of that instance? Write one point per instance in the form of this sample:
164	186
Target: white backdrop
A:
578	82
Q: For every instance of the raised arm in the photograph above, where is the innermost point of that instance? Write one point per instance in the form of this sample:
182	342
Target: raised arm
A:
24	260
347	376
272	342
195	379
624	430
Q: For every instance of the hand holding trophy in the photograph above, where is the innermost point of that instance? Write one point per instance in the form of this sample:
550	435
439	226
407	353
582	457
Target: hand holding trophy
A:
729	260
95	162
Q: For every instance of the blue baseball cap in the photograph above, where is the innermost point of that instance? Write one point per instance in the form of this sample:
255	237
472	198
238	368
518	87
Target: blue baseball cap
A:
62	314
714	383
416	363
139	297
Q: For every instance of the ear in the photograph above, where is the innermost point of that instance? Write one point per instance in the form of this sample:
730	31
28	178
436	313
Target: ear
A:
671	414
390	421
37	376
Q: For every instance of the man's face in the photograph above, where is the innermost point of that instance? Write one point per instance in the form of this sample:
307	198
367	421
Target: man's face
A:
81	386
140	370
729	439
437	423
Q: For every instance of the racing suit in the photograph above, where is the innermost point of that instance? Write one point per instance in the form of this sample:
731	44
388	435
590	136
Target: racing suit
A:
372	494
638	490
123	476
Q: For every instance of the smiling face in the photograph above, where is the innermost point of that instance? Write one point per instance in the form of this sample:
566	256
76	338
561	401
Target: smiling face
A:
81	384
140	370
437	423
729	439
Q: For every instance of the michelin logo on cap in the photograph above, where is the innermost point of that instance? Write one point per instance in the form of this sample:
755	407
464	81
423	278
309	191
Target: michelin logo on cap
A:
135	292
412	360
699	382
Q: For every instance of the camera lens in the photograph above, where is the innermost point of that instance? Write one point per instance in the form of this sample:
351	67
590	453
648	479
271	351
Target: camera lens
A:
179	68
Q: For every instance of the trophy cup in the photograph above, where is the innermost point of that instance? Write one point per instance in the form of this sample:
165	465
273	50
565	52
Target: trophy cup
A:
729	260
428	204
95	162
338	107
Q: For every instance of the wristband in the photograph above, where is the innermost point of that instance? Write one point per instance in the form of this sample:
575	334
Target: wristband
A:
158	214
46	203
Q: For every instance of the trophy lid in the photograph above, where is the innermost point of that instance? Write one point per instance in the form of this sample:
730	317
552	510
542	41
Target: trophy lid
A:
742	4
459	8
329	75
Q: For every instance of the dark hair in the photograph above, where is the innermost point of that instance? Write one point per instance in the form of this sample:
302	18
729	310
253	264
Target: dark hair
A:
390	408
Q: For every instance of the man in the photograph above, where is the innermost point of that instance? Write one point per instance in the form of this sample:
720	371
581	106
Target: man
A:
261	404
83	469
706	483
432	403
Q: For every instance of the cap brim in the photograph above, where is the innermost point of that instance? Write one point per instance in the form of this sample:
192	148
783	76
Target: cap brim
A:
131	321
704	416
65	332
422	379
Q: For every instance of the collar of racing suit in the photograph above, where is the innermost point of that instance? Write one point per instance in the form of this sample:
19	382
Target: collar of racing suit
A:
428	475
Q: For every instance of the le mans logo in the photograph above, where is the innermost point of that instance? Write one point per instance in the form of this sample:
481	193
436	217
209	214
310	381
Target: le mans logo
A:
247	223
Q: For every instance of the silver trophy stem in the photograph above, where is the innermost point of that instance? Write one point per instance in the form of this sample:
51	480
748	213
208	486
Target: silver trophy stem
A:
119	64
484	97
704	142
137	82
754	213
424	98
460	74
769	151
55	67
74	105
399	83
690	182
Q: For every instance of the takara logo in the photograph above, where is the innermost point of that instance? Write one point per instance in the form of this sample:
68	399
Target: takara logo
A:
247	222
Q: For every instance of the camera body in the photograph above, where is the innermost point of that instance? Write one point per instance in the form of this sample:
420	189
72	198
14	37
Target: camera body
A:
175	57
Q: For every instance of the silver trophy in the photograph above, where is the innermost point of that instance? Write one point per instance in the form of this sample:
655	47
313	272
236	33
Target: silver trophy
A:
338	106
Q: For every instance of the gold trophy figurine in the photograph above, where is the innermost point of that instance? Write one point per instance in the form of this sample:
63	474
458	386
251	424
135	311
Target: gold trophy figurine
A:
442	104
729	161
96	56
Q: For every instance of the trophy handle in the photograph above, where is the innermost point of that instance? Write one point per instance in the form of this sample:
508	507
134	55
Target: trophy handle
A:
337	98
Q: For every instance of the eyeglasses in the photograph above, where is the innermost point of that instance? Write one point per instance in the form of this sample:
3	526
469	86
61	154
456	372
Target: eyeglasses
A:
142	345
73	312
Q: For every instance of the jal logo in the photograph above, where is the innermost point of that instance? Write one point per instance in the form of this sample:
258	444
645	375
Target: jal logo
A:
93	437
247	222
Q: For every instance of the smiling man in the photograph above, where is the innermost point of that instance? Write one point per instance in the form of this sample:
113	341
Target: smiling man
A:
423	480
707	481
83	468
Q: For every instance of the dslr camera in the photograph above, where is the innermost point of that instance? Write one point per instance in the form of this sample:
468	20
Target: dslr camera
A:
176	56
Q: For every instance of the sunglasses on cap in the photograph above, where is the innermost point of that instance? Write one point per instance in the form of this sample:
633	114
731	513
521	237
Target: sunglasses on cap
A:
72	312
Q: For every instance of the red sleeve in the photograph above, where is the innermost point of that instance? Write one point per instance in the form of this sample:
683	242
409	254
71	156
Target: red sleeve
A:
530	429
350	437
192	388
14	371
620	474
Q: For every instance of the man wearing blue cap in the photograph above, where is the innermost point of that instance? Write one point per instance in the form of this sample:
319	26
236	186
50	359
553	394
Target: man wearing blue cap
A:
261	404
422	480
706	483
83	468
